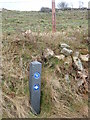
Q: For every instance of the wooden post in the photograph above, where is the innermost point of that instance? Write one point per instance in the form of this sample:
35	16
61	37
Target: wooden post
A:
53	17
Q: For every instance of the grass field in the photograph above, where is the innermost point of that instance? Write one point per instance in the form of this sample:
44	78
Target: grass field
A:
58	99
38	21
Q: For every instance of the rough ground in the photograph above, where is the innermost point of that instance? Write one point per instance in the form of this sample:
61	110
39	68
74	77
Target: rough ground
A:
25	40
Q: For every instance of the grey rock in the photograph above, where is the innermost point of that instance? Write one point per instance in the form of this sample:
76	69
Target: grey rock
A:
78	63
64	45
66	52
82	78
48	53
76	54
84	57
60	57
67	78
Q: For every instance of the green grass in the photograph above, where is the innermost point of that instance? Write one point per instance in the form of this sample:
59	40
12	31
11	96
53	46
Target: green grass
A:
35	21
70	24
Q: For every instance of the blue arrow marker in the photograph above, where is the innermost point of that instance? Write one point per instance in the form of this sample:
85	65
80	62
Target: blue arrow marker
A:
36	87
36	75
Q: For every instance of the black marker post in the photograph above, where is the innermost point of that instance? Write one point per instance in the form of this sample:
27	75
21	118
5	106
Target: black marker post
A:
35	86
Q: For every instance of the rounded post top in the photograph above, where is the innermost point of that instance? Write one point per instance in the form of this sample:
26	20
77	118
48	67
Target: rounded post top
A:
35	62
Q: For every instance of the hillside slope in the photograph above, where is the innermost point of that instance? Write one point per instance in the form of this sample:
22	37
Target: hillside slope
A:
27	37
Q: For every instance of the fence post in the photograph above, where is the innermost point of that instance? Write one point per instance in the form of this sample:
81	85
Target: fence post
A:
53	17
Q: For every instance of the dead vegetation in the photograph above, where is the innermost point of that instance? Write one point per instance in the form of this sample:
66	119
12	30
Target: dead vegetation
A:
60	95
